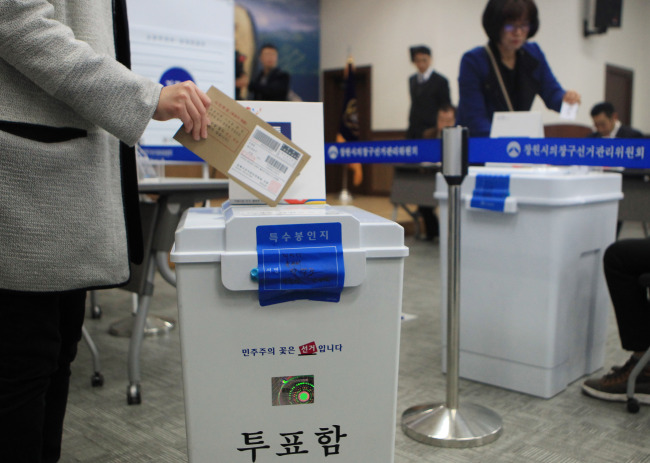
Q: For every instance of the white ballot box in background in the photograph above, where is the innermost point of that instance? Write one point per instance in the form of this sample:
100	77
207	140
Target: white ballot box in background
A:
517	124
315	381
302	123
533	299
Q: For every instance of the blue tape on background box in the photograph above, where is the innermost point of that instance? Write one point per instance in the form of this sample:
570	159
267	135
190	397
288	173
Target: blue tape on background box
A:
300	261
490	192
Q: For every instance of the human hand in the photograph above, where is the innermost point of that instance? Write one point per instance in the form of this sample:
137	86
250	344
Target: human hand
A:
571	97
242	81
185	101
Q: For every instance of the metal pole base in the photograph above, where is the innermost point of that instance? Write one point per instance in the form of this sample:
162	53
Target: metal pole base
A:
154	326
468	426
345	197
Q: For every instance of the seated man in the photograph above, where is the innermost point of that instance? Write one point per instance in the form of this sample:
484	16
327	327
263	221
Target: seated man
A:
271	83
607	123
624	262
446	117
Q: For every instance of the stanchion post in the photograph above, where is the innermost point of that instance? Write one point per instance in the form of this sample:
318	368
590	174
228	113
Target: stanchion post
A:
451	424
345	197
453	297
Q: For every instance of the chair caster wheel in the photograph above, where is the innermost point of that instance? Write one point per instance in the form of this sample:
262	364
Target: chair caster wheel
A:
133	395
97	380
633	405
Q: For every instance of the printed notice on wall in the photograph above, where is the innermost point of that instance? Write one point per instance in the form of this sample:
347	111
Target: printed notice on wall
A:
265	163
171	43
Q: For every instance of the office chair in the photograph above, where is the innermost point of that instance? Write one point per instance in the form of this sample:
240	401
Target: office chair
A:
97	379
632	403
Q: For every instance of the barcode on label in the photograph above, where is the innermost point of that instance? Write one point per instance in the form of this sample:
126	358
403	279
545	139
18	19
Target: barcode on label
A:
266	140
277	164
290	151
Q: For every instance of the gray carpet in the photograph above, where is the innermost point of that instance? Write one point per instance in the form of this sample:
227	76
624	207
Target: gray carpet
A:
569	428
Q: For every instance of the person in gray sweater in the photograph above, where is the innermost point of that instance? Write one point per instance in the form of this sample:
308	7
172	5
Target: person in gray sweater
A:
68	195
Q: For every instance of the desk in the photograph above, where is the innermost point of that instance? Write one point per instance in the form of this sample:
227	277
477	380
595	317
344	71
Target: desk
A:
414	184
159	221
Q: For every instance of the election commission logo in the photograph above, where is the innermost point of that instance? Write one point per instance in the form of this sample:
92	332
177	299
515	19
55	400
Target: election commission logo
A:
333	152
513	149
174	76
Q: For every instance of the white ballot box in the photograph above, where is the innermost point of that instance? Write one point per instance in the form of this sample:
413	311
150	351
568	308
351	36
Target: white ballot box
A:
310	378
533	298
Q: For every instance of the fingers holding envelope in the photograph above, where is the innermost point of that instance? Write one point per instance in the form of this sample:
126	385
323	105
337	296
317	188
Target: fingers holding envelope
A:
185	101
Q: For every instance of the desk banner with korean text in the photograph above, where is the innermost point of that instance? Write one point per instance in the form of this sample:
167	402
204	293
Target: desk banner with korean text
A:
617	152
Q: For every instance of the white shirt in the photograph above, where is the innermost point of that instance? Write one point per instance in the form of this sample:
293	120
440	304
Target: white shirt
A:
617	126
423	77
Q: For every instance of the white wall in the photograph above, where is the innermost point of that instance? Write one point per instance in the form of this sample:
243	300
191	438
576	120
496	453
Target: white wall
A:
379	33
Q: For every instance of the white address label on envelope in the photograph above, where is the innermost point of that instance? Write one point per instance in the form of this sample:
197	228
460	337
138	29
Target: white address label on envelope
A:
265	163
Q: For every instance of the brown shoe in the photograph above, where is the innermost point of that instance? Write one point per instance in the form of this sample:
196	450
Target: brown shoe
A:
613	386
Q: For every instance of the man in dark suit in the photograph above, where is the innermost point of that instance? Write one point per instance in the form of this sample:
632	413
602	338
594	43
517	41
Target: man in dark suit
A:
607	123
429	91
271	83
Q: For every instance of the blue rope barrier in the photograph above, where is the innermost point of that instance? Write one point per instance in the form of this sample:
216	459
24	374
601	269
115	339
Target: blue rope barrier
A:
618	152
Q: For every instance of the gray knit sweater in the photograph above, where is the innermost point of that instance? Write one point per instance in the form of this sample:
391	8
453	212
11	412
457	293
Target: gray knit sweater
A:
61	211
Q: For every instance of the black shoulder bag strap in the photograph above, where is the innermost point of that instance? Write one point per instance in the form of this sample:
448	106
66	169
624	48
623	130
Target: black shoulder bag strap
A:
499	78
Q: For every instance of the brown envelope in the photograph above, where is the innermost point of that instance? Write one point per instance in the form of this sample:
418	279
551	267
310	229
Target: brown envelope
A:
247	149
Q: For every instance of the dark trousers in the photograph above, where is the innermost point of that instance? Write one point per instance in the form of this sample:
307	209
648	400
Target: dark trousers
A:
39	333
624	262
431	226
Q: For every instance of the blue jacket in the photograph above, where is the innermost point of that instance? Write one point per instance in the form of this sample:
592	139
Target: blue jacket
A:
481	95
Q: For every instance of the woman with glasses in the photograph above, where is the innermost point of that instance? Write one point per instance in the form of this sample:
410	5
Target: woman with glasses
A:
507	73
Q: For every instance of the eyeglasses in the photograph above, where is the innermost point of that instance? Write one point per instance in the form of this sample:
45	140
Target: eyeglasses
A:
510	28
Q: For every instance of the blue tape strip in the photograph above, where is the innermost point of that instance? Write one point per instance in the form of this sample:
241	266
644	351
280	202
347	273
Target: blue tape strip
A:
490	192
633	153
300	261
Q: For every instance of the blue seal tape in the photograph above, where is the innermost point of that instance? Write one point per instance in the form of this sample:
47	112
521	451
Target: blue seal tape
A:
300	261
490	192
